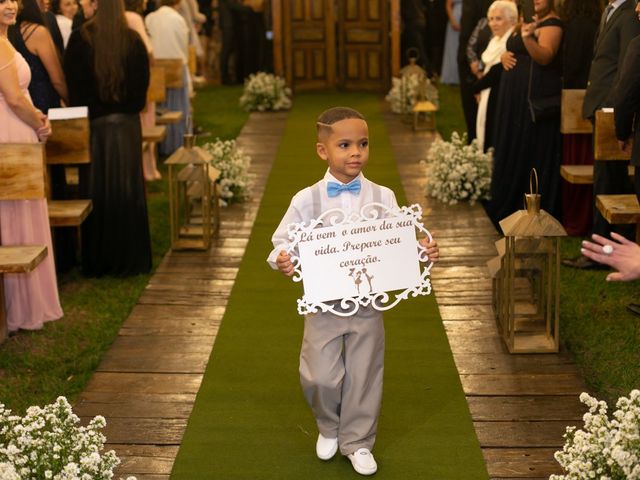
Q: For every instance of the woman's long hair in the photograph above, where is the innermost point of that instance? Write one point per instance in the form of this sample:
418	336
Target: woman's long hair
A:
569	9
109	34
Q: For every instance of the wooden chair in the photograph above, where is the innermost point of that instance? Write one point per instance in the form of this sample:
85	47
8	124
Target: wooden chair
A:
582	174
68	145
571	120
605	141
173	69
23	176
620	209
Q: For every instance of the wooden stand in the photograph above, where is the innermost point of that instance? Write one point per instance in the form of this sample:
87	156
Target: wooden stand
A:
583	174
620	209
157	91
424	116
173	71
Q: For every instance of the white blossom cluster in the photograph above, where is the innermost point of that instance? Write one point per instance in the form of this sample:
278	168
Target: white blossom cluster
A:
264	92
234	180
606	448
456	171
404	93
48	443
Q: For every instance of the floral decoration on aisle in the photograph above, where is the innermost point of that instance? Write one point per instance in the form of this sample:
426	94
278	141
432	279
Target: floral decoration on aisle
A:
606	448
48	443
265	92
235	181
457	172
404	93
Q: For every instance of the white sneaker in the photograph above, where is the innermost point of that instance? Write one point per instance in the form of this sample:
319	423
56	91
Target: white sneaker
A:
363	461
326	448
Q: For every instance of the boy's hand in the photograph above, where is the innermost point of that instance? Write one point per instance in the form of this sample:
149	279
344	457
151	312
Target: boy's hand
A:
432	249
284	263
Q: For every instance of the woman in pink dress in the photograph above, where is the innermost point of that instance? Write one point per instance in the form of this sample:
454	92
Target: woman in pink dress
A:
30	298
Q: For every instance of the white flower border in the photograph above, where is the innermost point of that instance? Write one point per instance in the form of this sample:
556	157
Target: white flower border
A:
380	301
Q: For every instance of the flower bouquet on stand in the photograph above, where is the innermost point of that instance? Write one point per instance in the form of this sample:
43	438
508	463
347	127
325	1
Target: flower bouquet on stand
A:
265	92
235	181
457	172
48	443
606	448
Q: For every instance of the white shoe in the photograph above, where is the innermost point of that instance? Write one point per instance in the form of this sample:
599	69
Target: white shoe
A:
326	448
363	461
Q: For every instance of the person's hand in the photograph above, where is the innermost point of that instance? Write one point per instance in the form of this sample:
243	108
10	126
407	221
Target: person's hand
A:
475	69
508	60
623	144
44	131
528	30
433	251
283	261
455	26
477	97
623	256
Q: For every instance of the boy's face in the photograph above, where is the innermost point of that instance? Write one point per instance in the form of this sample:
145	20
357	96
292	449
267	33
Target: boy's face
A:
346	148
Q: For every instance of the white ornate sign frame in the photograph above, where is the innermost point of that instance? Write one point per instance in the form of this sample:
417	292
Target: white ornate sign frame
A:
381	301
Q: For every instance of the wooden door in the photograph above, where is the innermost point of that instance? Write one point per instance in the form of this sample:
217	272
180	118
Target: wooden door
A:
363	44
308	43
336	43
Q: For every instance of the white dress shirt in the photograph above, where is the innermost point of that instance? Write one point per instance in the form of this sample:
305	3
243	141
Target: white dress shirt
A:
301	208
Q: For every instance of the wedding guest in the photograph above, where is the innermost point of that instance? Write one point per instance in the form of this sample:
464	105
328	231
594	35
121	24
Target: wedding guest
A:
581	18
32	39
449	65
170	39
617	27
133	14
436	14
31	299
108	69
522	141
65	11
472	12
88	9
502	16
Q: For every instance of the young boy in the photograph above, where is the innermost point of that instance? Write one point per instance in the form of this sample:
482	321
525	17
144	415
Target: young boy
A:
341	359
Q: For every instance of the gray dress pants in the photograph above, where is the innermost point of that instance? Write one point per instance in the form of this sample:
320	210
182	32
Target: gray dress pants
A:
341	368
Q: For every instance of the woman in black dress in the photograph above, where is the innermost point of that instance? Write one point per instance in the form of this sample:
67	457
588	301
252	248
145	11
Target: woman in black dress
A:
107	68
532	71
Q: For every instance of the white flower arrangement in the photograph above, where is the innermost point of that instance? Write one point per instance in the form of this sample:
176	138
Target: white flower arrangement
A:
404	93
456	171
235	181
47	443
264	92
606	448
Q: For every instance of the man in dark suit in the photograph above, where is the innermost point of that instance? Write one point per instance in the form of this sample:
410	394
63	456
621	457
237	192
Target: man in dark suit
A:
618	27
472	12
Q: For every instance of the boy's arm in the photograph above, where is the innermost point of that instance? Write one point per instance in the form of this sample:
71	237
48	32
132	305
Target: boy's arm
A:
280	238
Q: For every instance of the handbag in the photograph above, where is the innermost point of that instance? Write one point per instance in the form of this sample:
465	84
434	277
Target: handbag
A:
543	108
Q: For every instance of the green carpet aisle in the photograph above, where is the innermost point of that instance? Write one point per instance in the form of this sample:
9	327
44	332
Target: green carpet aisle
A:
250	419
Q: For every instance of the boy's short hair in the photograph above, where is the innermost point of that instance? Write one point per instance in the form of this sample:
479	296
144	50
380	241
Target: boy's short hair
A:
334	115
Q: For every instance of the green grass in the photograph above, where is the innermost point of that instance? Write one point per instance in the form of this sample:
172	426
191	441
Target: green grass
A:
36	367
450	117
602	336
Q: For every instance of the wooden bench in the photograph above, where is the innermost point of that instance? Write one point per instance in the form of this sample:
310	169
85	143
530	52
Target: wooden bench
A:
620	209
16	259
157	91
173	71
582	174
166	118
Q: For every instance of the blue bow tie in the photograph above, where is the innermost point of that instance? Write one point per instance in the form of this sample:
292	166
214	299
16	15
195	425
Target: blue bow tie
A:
334	189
